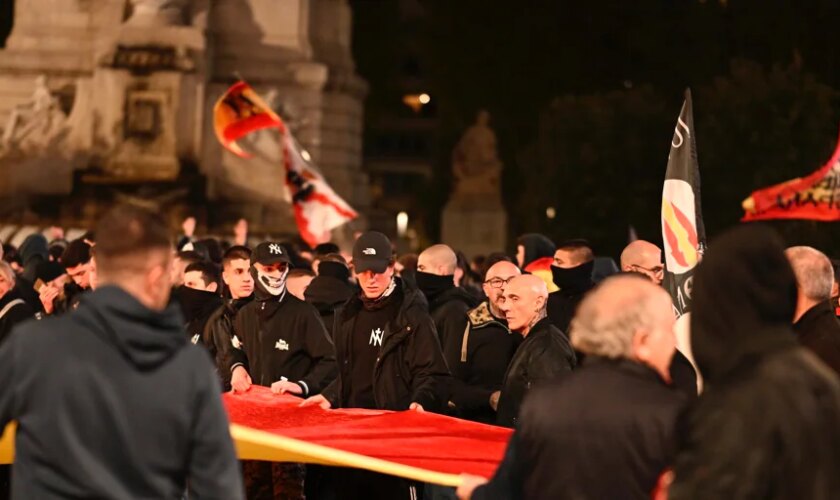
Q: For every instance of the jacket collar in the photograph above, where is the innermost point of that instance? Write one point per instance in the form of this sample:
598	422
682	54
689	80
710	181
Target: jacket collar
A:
812	316
481	316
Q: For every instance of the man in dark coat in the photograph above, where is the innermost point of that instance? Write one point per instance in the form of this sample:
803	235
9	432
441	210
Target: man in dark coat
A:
571	271
608	430
487	346
199	298
388	355
126	406
768	422
815	322
239	291
543	356
448	304
330	289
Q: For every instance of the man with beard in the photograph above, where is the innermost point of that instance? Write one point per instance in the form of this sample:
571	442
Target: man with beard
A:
448	304
487	346
815	323
330	289
544	355
279	343
572	273
608	430
766	425
119	404
199	297
389	358
239	286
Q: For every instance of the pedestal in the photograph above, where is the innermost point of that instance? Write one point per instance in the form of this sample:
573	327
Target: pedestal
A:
473	228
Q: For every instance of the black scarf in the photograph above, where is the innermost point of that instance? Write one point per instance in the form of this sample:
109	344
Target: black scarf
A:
433	285
574	279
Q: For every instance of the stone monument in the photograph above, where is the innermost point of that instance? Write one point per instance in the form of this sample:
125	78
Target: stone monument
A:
474	220
112	99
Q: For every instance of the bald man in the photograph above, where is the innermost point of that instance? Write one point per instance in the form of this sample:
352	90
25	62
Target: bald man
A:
487	346
544	355
645	258
816	326
607	430
448	304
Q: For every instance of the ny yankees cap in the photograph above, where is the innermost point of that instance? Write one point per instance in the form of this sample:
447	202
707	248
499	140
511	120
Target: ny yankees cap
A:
372	252
269	252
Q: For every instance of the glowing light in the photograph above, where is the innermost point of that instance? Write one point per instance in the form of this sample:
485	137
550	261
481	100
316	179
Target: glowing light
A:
305	155
402	223
424	99
550	212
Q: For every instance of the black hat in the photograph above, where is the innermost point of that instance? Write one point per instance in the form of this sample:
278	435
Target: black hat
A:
268	253
372	252
47	271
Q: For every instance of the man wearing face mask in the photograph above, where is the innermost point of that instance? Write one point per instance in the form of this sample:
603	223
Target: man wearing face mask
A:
389	358
572	272
448	304
279	339
544	355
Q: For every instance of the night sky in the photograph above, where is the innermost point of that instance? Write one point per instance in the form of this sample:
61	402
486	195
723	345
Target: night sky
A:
585	95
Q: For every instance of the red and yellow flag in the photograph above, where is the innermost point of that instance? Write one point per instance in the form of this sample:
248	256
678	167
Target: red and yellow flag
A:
815	197
239	112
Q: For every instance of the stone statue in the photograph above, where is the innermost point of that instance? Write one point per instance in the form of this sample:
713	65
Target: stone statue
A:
475	162
157	13
35	124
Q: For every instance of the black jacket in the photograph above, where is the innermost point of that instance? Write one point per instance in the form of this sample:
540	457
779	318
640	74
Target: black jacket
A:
768	422
574	283
13	310
543	356
118	405
280	337
482	359
218	337
197	306
819	331
327	294
449	313
606	431
411	368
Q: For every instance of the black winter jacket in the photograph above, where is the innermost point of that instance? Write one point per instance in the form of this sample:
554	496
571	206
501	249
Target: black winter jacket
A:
449	313
327	294
543	356
218	337
410	369
607	431
819	331
482	359
768	422
276	337
118	405
13	310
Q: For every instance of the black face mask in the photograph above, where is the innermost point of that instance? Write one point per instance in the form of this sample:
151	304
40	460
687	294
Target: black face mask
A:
433	285
574	279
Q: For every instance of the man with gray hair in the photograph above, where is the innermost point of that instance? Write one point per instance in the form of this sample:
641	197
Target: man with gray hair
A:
815	323
13	309
607	430
543	356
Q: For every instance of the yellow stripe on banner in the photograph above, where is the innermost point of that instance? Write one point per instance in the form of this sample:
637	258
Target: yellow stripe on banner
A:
252	444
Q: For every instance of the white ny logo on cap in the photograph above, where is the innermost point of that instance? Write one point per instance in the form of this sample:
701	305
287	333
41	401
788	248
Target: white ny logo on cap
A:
369	251
275	248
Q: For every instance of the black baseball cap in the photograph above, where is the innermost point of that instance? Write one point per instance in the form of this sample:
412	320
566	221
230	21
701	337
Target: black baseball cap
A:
372	252
270	252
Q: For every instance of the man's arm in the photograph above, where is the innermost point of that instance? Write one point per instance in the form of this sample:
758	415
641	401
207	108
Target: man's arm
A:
508	479
548	364
321	349
213	469
429	373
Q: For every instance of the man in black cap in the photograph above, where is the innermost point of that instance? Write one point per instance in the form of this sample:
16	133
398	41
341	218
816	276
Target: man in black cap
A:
389	357
279	342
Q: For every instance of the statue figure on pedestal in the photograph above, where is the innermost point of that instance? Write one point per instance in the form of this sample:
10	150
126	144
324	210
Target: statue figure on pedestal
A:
475	162
157	13
34	124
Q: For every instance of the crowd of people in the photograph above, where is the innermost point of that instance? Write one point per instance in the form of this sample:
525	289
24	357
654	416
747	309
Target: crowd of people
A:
115	349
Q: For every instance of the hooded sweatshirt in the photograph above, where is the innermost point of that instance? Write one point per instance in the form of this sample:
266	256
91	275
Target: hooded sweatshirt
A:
118	405
768	422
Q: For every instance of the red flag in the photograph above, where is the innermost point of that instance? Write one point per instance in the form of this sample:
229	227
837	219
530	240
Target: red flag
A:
318	209
815	197
239	112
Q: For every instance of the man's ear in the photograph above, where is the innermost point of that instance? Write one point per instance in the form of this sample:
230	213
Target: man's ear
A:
639	345
540	303
212	287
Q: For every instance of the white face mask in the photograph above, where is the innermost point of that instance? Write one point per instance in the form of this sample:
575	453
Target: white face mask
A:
273	285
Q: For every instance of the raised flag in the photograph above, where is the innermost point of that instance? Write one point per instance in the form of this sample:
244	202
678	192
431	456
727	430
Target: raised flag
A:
683	232
317	208
815	197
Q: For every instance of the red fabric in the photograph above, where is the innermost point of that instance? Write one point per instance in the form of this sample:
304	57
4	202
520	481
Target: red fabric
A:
815	197
424	440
